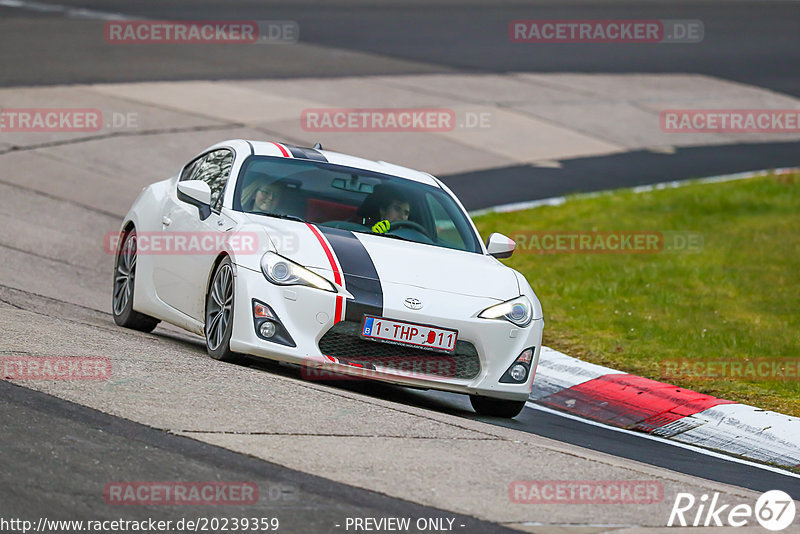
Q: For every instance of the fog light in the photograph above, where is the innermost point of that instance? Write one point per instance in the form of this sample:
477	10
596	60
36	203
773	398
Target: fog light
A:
521	370
267	329
518	372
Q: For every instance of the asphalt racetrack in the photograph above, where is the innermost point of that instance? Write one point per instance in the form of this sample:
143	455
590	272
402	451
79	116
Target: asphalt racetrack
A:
322	452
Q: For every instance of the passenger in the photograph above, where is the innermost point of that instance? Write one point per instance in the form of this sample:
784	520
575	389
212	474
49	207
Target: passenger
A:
262	195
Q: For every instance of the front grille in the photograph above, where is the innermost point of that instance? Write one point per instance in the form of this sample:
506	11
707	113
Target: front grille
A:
342	341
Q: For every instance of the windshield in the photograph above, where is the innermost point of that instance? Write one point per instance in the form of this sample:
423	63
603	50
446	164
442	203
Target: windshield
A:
352	199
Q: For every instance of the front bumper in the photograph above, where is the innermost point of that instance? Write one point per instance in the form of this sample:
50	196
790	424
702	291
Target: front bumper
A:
308	314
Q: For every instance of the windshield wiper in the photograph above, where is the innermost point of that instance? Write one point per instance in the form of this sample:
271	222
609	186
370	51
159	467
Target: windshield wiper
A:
279	216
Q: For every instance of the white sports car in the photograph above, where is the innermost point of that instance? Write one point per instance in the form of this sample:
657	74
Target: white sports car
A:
345	266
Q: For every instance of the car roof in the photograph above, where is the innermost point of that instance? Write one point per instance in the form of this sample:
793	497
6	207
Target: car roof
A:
279	149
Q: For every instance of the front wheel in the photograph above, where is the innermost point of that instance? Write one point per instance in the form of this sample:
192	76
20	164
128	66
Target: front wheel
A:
496	407
124	280
219	314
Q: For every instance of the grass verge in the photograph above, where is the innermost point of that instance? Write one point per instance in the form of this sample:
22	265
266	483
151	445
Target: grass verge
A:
712	305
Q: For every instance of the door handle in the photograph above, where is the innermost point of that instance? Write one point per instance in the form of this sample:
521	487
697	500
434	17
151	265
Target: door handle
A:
166	221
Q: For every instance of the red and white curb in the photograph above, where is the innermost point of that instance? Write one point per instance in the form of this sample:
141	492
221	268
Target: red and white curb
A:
627	401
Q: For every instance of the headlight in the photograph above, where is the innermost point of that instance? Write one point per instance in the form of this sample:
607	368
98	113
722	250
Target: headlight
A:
284	272
518	311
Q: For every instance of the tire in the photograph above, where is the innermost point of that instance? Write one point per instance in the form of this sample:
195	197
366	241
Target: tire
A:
219	314
496	407
124	283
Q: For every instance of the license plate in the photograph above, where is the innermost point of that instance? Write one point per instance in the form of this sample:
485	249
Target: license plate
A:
404	333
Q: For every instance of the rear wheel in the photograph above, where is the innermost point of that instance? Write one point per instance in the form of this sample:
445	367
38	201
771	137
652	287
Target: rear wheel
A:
124	280
496	407
219	314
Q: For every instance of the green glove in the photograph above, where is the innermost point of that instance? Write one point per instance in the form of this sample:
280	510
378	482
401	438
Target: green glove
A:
381	227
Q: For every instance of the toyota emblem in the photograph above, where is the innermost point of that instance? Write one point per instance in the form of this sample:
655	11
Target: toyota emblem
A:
413	303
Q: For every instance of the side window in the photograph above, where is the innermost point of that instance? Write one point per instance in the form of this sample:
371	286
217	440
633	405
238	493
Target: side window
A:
190	169
214	169
446	229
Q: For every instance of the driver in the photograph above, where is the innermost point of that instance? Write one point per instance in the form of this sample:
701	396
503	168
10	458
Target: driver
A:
386	206
397	209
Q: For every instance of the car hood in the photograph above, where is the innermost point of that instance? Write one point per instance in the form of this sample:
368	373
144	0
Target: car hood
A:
395	261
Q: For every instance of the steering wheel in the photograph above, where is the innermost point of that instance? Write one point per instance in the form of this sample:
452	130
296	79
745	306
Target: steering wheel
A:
410	224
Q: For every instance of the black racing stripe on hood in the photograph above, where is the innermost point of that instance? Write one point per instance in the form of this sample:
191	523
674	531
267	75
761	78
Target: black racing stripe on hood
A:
360	276
306	153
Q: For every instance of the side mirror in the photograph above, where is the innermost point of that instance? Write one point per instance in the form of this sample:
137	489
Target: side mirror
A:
196	193
500	246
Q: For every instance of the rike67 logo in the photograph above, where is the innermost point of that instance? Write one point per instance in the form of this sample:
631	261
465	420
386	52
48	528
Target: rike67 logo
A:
774	510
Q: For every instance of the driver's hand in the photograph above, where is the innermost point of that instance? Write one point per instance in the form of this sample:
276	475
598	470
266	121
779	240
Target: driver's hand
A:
381	227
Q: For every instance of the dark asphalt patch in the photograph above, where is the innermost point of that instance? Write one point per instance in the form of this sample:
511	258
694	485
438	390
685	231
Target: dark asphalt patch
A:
493	187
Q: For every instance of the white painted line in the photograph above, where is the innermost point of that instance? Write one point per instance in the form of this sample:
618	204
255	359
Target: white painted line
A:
643	435
557	201
71	12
